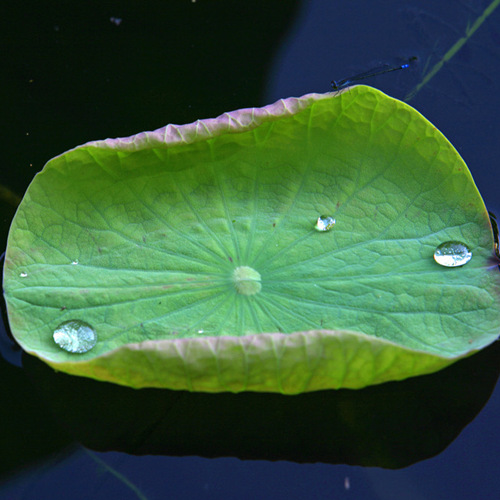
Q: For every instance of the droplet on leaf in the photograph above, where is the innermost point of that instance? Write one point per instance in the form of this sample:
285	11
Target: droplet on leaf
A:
324	223
75	336
452	254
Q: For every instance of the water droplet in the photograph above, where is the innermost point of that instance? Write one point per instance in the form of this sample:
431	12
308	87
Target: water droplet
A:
200	331
246	280
75	336
452	254
23	275
324	223
75	262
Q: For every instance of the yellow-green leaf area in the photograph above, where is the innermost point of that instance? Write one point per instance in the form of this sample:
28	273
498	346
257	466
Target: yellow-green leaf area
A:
194	253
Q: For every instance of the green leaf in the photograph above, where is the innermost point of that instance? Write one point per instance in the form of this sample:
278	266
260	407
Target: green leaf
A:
192	251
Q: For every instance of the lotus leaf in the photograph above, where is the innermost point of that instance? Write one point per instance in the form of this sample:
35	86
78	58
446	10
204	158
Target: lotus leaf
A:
194	252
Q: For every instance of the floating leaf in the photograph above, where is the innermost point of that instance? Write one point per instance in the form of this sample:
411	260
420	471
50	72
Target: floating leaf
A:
192	251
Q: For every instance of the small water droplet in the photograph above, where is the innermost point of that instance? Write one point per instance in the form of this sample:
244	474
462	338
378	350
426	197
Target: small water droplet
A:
23	275
75	262
75	336
324	223
452	254
200	331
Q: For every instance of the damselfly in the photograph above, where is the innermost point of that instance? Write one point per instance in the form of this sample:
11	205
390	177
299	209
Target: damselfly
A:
380	70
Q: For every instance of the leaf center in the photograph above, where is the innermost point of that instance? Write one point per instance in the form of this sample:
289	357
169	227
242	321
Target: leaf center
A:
246	280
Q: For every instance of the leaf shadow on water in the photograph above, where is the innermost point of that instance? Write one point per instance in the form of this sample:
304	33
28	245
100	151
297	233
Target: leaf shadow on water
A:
391	425
25	440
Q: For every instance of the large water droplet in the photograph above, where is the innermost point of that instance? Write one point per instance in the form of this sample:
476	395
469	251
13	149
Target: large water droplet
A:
324	223
452	254
246	280
75	336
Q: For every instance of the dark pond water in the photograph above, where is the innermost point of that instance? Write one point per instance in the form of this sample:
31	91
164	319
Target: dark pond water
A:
83	70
